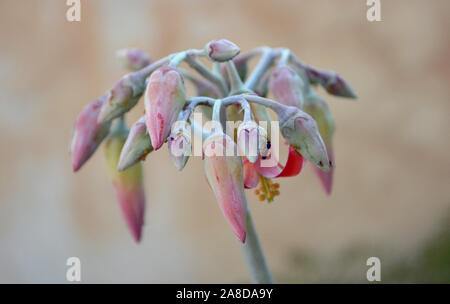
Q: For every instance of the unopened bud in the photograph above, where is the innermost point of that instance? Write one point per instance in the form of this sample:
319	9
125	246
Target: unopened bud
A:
180	144
128	184
120	99
165	97
301	131
88	133
287	86
133	59
226	178
136	147
221	50
252	140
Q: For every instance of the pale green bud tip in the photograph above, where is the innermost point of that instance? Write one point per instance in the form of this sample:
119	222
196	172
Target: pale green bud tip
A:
221	50
119	100
137	146
133	59
301	131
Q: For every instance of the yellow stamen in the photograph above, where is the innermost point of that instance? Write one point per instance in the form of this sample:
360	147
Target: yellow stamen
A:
267	190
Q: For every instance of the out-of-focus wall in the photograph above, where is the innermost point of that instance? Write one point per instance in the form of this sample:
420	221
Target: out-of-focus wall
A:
392	179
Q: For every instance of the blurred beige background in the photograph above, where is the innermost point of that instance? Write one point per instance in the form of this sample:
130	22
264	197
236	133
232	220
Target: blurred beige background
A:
391	194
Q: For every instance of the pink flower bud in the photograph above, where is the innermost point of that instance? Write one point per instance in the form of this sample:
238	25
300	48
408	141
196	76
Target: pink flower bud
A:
301	132
137	146
133	59
128	183
286	86
88	134
225	176
221	50
331	81
338	86
164	99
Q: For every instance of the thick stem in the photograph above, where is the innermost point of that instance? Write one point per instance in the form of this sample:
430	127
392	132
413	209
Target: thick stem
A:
284	59
265	62
244	105
219	114
177	59
236	85
254	255
260	69
205	72
184	115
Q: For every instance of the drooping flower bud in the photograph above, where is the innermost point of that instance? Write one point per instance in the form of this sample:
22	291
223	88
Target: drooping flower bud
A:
221	50
286	86
301	132
120	99
164	98
252	140
128	183
225	176
319	110
136	147
180	144
133	59
331	81
88	133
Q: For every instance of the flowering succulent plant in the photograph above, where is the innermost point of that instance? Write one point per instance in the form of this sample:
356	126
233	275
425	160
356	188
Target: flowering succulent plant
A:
233	161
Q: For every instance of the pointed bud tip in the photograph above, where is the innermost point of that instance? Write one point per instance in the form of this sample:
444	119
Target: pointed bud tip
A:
122	166
132	205
76	166
137	235
157	143
242	237
326	179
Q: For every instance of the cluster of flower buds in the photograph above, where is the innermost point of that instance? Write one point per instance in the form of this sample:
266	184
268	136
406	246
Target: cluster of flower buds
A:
226	93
